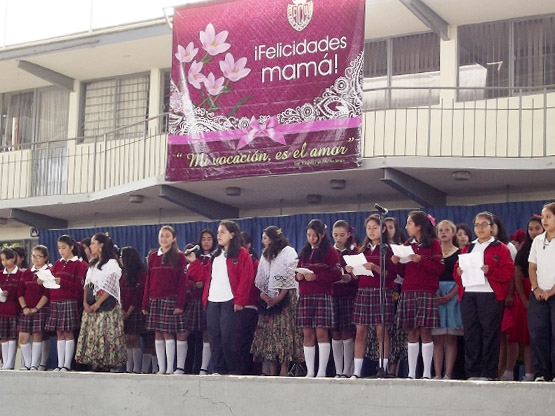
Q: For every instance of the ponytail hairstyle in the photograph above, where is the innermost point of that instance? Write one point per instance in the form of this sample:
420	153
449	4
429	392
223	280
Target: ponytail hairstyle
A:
132	265
246	239
278	242
214	240
427	229
324	242
66	239
385	234
399	236
43	250
235	243
344	224
107	252
172	255
502	234
21	253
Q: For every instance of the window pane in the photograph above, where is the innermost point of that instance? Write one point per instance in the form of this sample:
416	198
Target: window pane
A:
53	114
375	59
19	123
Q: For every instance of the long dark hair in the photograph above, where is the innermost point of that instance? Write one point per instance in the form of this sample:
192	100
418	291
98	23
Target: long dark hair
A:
22	253
66	239
502	234
277	242
522	255
344	224
235	243
427	229
132	265
214	240
246	239
324	244
172	255
399	237
385	235
466	229
107	252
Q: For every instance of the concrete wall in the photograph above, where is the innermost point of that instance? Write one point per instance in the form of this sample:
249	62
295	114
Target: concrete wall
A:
105	394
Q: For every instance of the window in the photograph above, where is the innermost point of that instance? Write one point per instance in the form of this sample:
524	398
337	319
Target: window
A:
34	116
402	71
114	103
506	57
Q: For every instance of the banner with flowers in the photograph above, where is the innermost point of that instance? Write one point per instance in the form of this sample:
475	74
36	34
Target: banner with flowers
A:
265	87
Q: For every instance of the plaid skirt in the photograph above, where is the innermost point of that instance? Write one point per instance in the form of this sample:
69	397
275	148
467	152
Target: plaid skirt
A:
64	316
315	311
367	307
195	317
343	312
160	317
418	309
33	323
8	327
135	323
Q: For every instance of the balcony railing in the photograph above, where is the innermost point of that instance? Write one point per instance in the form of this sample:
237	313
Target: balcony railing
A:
520	122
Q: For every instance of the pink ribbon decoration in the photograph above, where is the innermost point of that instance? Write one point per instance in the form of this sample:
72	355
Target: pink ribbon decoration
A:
268	129
431	219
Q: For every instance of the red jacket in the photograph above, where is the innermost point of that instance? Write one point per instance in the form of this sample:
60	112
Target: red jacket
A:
132	296
373	256
424	275
348	290
72	279
240	272
30	290
196	274
327	270
165	281
501	269
10	284
254	292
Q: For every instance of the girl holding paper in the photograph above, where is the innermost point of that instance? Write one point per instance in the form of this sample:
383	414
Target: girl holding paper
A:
482	304
315	309
9	307
33	299
418	311
367	302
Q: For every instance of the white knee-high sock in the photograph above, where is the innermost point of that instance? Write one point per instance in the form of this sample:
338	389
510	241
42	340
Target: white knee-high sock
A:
70	348
147	360
36	352
129	366
427	355
182	347
160	346
358	366
348	356
27	352
61	346
12	350
206	355
5	348
45	354
412	350
324	355
385	363
137	359
337	348
170	355
309	357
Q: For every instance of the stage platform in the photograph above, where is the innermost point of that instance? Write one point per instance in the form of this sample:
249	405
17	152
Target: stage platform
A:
108	394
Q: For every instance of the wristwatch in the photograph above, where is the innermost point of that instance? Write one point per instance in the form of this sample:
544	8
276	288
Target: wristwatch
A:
533	289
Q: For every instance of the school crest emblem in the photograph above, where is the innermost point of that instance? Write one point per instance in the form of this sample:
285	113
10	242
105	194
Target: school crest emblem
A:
299	14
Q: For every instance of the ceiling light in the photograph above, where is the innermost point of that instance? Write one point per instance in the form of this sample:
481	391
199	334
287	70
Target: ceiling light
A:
314	198
461	175
136	199
233	191
338	184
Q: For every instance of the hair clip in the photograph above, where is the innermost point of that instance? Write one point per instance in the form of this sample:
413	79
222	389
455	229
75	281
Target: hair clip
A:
539	217
431	219
278	231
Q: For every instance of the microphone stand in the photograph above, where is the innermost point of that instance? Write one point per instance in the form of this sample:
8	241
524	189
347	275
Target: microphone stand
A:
382	372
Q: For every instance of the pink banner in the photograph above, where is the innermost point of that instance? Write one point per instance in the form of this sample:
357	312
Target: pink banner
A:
265	87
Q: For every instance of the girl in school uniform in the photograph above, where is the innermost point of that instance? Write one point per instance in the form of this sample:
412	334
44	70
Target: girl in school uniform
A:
9	307
463	235
367	302
33	298
450	321
482	305
64	318
343	297
21	258
226	290
315	307
164	299
541	305
132	287
417	311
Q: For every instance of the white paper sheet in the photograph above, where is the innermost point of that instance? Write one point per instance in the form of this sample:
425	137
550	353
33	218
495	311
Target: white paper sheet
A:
303	270
47	279
471	265
357	262
2	297
403	252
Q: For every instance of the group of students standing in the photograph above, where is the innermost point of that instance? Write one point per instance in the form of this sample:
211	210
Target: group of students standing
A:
276	309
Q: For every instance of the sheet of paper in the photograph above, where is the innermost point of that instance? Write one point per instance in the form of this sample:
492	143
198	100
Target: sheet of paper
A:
357	262
50	284
2	297
471	265
45	275
403	252
303	270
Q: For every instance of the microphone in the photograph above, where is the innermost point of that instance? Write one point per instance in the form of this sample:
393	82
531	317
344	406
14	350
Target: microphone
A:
190	250
381	209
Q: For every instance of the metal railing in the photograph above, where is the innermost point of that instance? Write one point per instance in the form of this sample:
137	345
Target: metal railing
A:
459	122
85	164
